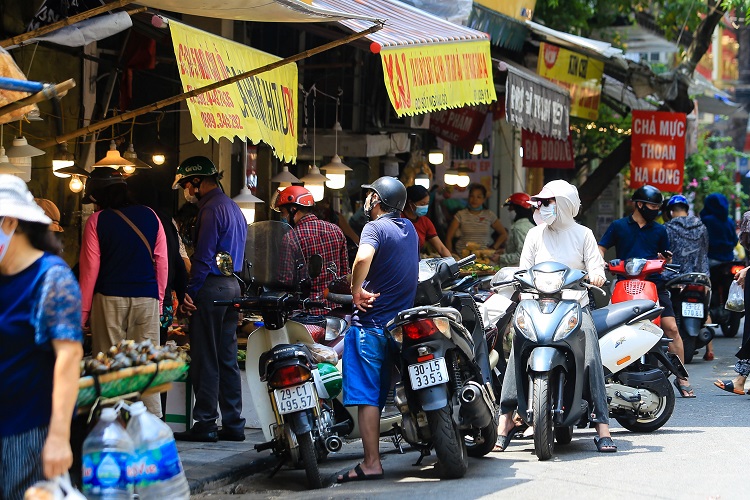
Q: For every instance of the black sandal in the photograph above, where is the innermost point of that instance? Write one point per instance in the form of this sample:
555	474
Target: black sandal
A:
360	476
605	445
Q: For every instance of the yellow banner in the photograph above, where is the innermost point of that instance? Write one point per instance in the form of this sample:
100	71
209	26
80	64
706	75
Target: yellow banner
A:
432	77
259	108
581	75
520	10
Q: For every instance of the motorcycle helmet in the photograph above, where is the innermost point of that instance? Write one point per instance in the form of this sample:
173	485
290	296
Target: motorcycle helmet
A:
391	191
519	199
330	376
101	178
195	166
294	195
647	194
678	200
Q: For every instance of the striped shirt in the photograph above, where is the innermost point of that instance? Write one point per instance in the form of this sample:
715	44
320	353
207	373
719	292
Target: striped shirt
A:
476	227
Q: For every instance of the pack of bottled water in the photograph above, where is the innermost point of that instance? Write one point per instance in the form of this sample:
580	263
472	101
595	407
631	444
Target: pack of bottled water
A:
107	455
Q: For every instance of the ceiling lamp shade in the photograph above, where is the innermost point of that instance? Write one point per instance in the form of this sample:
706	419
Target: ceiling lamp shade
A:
6	167
422	179
478	149
113	159
20	154
246	200
390	164
435	156
336	173
451	177
62	159
131	156
315	183
462	180
285	178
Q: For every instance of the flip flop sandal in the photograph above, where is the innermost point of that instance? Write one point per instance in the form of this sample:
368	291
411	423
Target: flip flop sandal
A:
682	389
728	385
605	445
360	476
503	441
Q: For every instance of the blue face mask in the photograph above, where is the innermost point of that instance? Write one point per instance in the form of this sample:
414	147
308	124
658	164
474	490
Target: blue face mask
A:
421	210
4	240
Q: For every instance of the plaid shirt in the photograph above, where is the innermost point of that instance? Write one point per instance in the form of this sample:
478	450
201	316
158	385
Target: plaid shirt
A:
325	239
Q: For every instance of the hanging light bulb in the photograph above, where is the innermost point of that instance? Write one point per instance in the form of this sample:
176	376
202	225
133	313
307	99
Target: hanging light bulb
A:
451	177
62	159
285	178
246	200
158	158
462	180
435	156
75	184
422	179
315	183
113	159
478	149
131	156
336	170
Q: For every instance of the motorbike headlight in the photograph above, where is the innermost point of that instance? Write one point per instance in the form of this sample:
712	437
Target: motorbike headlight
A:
568	323
634	266
524	325
548	282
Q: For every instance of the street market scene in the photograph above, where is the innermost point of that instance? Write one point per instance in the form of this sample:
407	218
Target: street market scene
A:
366	248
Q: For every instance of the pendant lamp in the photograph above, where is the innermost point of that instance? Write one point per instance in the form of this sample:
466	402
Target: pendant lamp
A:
113	159
336	170
285	178
246	200
315	183
77	176
478	149
422	179
131	156
62	159
20	154
6	167
435	156
451	177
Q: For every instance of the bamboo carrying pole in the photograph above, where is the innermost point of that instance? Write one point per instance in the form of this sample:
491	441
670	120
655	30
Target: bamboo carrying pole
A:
53	91
16	40
187	95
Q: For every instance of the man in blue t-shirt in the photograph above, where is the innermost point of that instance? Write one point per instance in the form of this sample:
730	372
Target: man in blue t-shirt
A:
639	236
384	283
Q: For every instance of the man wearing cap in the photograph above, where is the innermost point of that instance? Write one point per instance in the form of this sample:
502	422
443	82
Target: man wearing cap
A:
40	314
123	268
214	372
384	283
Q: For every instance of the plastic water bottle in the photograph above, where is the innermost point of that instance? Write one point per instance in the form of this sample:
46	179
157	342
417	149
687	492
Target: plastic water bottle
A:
157	470
107	454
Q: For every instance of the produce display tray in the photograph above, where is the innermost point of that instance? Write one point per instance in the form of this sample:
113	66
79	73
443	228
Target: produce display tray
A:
137	379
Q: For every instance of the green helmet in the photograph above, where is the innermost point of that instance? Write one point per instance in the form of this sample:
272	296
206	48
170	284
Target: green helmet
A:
195	166
331	378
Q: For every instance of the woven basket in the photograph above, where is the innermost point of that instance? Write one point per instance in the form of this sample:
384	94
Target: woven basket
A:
129	380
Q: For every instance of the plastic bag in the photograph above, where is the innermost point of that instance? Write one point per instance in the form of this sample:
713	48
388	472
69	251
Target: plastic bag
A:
736	298
323	354
59	488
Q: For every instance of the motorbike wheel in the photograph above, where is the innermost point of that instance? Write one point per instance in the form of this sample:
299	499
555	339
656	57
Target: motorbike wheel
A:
688	343
309	460
450	447
544	437
489	436
564	435
663	413
730	330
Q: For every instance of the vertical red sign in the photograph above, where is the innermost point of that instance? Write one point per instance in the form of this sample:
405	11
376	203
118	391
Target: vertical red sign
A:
657	150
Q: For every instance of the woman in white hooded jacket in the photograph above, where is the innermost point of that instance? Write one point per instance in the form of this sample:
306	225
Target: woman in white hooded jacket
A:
559	238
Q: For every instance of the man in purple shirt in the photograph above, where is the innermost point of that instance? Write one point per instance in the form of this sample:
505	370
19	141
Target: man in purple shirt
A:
214	372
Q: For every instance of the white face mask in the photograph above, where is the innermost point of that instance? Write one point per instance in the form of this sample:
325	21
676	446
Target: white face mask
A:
188	197
4	240
548	213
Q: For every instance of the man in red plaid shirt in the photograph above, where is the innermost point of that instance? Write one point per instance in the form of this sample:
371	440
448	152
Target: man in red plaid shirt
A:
315	236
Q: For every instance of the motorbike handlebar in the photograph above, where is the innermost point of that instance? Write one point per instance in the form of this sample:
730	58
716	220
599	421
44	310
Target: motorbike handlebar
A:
596	288
339	298
466	261
286	303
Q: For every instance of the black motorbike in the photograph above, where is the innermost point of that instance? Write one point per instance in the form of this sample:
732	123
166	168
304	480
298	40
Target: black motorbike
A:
722	276
446	396
691	298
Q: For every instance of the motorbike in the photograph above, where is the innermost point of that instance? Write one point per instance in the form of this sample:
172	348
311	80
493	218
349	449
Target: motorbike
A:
445	395
691	298
549	344
722	276
285	383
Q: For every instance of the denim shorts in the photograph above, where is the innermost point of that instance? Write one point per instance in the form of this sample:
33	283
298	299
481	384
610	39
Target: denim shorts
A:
367	367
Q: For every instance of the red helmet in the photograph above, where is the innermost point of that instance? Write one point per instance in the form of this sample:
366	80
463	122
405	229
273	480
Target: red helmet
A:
294	195
520	199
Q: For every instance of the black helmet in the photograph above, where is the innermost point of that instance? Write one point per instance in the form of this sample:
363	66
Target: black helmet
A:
391	191
648	194
100	178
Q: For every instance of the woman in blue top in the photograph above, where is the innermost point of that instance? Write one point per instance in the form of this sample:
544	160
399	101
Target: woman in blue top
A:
40	344
722	231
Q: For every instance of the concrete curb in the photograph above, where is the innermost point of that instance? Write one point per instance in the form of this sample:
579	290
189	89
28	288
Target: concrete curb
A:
229	470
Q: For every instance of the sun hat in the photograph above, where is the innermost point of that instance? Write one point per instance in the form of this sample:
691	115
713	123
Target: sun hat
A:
16	201
51	211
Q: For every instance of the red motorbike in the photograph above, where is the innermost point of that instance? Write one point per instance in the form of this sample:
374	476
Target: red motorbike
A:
634	285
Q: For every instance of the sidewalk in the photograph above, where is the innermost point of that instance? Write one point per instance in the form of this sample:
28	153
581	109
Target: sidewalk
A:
211	465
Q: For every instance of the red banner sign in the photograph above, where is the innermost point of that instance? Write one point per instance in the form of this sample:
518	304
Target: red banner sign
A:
657	151
459	126
546	152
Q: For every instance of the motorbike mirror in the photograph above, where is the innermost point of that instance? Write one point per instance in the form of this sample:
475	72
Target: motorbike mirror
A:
315	265
225	263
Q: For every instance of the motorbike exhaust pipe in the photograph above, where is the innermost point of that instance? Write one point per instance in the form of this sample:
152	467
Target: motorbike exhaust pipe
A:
474	409
333	444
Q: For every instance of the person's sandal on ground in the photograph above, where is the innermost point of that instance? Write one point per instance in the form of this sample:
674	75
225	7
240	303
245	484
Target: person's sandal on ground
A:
686	391
728	385
359	476
605	444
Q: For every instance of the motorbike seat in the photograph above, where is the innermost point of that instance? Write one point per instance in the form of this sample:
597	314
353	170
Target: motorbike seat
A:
610	317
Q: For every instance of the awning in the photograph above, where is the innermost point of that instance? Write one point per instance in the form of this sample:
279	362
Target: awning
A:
534	103
428	63
278	11
713	100
588	46
504	31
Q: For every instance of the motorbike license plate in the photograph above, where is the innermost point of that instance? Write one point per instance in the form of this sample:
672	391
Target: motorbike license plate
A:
692	310
433	372
293	399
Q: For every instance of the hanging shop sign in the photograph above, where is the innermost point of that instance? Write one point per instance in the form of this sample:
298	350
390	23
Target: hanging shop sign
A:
546	152
460	126
428	77
259	108
535	107
520	10
657	150
581	75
